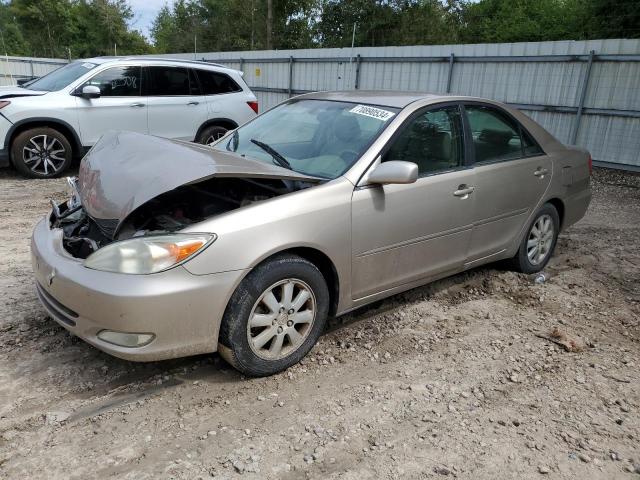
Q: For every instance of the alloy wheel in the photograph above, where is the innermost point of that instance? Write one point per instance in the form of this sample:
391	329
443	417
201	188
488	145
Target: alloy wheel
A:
213	137
281	319
540	239
44	155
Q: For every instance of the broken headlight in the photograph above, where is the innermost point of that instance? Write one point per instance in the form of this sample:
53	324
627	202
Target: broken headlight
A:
152	254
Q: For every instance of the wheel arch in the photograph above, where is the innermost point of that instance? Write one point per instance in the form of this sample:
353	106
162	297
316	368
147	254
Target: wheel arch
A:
57	124
217	122
318	258
558	204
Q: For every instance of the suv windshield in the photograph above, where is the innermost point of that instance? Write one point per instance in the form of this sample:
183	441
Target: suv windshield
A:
60	78
315	137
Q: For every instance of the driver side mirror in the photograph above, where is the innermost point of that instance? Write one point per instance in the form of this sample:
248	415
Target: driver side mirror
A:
395	171
90	91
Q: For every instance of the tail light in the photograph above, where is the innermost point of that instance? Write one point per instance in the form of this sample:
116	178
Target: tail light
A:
254	106
4	103
590	165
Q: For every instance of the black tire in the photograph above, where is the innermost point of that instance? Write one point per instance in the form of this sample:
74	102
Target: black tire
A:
234	344
211	134
45	164
521	262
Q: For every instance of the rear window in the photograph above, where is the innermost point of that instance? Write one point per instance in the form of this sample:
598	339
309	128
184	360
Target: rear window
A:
215	83
496	137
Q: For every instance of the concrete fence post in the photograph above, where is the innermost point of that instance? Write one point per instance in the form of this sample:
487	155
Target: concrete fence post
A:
583	96
290	89
449	76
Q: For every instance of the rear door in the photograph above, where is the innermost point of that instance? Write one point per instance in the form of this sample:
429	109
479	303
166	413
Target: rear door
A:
176	106
120	106
512	174
405	233
224	97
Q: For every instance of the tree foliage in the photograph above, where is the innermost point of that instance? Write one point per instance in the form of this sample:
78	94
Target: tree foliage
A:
81	28
63	28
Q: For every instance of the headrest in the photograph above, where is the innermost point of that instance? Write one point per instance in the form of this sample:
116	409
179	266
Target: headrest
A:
346	128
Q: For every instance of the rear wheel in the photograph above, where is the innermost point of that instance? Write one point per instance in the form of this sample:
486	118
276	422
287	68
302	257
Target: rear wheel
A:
275	316
41	152
211	134
539	242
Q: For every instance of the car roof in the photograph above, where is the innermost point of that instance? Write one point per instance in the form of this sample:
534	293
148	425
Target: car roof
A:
101	60
374	97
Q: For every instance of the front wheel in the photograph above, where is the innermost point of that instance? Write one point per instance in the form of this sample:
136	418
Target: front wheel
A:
275	316
41	152
539	242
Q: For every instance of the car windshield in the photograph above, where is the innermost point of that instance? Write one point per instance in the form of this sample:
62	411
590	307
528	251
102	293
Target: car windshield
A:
315	137
60	78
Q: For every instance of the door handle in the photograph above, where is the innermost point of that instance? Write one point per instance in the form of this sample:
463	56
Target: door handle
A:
193	103
463	191
541	172
137	105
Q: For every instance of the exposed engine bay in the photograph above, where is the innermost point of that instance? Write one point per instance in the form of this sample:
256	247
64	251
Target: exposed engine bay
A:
169	212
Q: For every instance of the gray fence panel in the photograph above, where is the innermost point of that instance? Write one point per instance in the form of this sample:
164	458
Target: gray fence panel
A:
13	69
544	79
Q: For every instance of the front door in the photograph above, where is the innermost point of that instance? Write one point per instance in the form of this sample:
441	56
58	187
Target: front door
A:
120	105
512	175
405	233
176	107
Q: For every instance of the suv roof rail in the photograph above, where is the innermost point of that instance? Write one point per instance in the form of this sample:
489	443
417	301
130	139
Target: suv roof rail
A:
176	60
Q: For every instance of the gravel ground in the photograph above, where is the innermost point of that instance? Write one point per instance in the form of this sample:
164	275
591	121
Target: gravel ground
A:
460	378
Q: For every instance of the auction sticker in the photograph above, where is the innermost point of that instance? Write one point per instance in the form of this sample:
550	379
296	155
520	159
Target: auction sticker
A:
372	112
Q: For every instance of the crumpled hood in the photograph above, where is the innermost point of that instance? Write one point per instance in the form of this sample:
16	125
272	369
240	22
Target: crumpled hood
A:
124	170
13	91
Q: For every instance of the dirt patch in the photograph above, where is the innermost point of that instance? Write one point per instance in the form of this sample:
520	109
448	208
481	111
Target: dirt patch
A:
449	380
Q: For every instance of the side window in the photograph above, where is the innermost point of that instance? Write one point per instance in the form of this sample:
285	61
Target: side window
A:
117	82
215	83
530	147
169	81
194	86
497	137
433	140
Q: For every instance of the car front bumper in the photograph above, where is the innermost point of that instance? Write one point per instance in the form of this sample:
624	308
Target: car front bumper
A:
182	310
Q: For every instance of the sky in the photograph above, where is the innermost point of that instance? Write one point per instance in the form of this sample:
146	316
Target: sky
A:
144	12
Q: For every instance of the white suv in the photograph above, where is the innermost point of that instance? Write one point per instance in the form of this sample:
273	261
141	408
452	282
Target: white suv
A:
47	122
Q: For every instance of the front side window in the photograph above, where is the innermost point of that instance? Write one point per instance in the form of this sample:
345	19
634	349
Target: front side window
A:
117	82
433	140
316	137
170	81
62	77
496	137
215	83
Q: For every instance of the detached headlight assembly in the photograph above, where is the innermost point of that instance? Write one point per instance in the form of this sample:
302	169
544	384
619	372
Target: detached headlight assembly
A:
143	255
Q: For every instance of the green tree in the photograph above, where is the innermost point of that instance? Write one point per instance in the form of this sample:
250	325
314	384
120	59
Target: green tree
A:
12	41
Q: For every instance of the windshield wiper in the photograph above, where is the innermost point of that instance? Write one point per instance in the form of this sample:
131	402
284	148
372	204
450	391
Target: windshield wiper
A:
277	157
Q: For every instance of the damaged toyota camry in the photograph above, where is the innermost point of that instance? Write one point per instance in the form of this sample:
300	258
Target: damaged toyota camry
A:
321	205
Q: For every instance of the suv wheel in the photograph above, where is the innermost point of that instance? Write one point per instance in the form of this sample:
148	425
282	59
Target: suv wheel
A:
41	152
275	316
211	134
539	242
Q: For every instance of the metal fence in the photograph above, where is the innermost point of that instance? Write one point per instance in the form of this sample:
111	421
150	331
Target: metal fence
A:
585	93
13	69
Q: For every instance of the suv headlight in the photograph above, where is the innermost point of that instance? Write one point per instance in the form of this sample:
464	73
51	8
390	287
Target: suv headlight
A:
152	254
